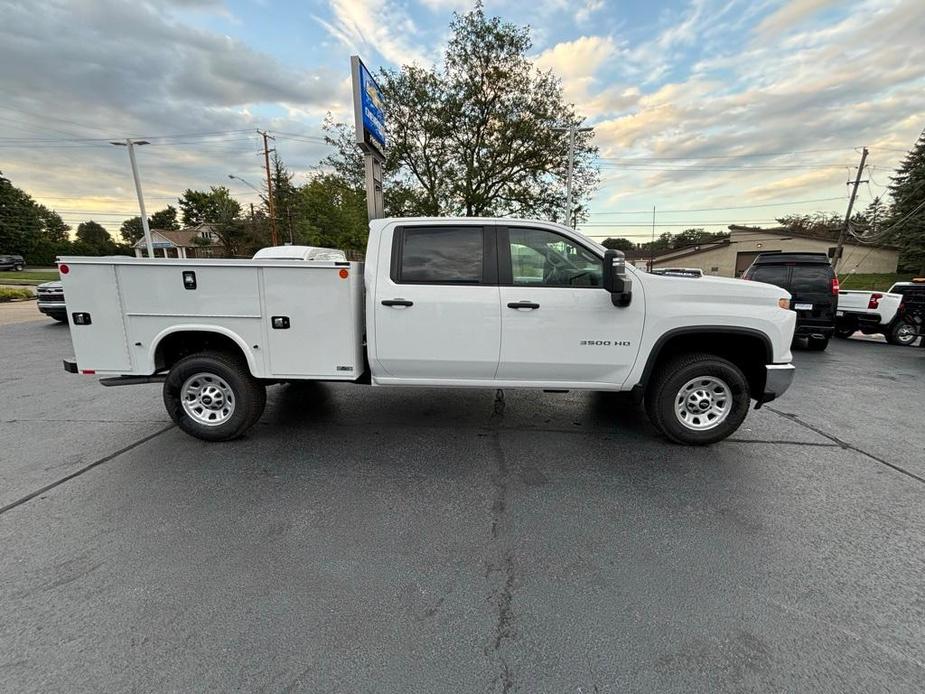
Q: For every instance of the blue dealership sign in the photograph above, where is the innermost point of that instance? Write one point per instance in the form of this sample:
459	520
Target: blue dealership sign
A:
369	108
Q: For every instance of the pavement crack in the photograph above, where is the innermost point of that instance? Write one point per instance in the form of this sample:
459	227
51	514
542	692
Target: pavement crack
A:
502	596
844	444
85	468
785	442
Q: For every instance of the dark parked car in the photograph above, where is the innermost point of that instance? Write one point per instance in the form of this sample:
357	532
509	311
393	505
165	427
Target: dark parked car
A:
51	301
12	262
811	281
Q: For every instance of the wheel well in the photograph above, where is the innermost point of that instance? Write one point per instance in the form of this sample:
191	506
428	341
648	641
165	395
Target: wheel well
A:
750	352
180	344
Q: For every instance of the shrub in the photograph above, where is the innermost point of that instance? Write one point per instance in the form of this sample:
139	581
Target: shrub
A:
10	293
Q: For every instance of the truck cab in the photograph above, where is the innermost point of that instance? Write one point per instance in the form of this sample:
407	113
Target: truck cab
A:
449	302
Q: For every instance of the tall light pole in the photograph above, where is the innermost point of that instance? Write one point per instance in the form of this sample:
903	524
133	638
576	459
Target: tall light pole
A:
572	130
130	143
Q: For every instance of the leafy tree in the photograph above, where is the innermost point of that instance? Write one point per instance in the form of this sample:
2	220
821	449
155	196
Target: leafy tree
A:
28	228
164	219
907	219
476	136
825	225
53	227
695	237
659	245
200	207
619	244
94	238
131	230
331	213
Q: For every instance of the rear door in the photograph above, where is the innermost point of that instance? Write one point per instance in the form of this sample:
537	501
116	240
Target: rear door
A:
812	296
436	310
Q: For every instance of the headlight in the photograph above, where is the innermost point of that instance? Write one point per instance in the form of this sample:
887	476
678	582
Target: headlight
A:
784	304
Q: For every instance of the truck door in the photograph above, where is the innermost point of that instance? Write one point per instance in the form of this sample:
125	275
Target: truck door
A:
557	322
437	312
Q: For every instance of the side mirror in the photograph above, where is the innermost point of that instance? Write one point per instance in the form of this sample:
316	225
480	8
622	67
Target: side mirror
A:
616	280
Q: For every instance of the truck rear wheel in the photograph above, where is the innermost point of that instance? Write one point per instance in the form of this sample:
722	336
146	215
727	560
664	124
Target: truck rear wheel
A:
213	396
697	399
901	333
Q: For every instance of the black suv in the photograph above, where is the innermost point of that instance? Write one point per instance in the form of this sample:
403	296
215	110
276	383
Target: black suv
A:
12	262
813	287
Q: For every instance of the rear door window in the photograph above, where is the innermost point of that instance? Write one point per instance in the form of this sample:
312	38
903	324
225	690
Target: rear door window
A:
441	255
812	279
771	274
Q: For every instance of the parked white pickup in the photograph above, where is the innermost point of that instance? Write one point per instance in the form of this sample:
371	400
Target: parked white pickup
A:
496	303
872	313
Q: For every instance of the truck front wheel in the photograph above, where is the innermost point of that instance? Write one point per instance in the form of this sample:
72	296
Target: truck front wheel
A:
213	396
697	399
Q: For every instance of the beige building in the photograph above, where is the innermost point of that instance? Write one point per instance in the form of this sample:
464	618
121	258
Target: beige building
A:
730	257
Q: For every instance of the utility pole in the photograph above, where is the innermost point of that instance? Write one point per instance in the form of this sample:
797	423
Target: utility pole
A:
836	259
572	130
130	144
271	207
652	245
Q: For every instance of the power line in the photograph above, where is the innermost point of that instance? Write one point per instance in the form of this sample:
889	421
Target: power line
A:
734	207
729	156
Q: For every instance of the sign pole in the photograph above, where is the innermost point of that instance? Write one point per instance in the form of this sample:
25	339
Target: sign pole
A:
375	205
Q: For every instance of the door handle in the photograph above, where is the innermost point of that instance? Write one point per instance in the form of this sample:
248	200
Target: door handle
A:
397	302
523	304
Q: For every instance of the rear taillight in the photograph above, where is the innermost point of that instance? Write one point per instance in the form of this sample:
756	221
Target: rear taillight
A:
835	286
874	300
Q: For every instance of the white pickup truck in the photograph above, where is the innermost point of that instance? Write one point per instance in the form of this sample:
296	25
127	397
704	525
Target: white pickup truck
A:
467	302
874	313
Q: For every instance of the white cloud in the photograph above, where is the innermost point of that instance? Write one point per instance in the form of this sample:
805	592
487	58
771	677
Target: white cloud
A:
589	8
579	58
789	15
365	26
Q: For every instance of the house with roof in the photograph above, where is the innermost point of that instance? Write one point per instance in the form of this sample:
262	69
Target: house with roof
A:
730	257
201	241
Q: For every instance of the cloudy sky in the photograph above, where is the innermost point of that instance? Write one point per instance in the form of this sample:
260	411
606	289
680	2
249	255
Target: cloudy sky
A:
713	111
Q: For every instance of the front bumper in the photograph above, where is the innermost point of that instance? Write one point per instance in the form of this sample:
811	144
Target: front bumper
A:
52	308
777	381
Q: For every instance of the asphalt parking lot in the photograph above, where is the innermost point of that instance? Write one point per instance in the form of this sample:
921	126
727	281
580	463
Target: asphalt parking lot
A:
417	541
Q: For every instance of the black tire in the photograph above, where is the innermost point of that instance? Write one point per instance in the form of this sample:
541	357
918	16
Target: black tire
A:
60	319
669	382
228	373
17	268
901	333
845	331
817	344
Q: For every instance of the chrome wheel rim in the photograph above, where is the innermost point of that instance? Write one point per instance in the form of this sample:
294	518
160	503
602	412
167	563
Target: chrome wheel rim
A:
905	333
703	403
207	399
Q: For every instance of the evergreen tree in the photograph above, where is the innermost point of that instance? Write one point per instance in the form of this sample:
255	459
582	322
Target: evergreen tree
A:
907	218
